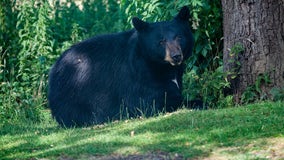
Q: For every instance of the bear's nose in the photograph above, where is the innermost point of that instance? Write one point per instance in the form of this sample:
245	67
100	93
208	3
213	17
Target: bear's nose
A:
177	58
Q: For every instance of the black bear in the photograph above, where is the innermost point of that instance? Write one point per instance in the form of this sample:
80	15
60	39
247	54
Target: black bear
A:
133	72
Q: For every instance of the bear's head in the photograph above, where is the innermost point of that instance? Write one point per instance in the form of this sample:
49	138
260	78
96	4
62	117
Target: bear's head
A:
168	42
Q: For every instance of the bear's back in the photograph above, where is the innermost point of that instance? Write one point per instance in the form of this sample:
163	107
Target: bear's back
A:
104	54
105	45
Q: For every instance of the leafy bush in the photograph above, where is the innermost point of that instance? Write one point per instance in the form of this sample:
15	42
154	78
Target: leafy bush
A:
204	78
254	93
277	94
208	87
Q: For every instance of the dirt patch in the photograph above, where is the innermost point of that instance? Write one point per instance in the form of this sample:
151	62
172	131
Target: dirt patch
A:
149	156
271	148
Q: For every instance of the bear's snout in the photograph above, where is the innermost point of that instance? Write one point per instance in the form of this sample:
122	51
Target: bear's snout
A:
173	53
177	58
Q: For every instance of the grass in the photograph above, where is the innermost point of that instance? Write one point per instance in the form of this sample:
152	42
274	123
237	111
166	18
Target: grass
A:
244	132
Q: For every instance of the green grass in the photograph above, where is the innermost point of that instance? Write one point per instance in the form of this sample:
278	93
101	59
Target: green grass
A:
241	133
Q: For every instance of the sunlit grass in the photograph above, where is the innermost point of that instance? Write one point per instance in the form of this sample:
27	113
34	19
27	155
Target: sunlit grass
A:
185	132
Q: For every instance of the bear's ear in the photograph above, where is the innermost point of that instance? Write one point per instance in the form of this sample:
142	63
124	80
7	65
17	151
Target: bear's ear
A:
139	25
183	14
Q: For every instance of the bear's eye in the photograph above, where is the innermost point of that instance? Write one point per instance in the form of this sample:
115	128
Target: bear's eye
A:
162	42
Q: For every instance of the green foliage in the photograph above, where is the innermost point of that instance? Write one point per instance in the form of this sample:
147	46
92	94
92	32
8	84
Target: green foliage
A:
277	94
234	60
36	47
255	92
8	48
207	25
205	78
208	87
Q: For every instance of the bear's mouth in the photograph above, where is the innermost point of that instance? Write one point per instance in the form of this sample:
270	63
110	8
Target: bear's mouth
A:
174	60
177	59
175	63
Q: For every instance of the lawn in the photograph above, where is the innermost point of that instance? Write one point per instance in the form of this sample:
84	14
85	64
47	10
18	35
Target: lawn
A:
248	132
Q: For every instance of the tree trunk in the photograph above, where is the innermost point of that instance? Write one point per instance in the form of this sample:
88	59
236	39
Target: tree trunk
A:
257	26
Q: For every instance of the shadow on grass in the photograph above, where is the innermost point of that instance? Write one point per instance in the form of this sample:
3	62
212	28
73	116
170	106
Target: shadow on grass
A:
195	133
191	134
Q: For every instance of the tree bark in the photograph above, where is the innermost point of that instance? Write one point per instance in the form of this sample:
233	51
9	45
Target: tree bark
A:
258	26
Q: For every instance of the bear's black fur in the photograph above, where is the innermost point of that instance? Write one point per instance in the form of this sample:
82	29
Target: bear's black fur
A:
134	72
